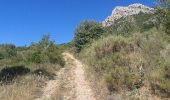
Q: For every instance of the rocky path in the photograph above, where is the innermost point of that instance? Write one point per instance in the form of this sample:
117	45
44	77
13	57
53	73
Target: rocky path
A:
75	83
83	90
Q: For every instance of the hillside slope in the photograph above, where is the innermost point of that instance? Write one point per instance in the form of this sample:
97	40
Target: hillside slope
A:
128	56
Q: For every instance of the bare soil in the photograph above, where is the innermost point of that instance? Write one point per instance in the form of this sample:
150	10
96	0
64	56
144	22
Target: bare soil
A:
69	84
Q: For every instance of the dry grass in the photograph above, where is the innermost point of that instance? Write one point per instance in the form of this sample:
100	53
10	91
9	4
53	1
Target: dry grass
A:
26	89
29	86
124	63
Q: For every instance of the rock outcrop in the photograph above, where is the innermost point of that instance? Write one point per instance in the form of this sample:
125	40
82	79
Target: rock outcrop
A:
120	12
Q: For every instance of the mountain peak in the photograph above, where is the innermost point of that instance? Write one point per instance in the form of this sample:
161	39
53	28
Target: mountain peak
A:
121	11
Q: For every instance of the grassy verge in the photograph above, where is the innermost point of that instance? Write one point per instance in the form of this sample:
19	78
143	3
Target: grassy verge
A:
128	63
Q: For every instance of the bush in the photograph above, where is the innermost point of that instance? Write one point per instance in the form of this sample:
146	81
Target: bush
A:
160	75
55	56
7	50
36	57
1	56
160	81
164	11
106	55
110	45
45	51
116	78
120	77
86	32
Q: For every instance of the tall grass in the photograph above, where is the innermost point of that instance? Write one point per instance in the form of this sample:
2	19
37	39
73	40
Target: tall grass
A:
24	88
125	63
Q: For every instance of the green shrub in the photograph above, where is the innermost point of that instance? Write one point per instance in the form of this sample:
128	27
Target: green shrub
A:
36	57
120	77
115	79
8	50
160	75
86	32
160	80
54	54
1	56
45	51
11	52
164	11
110	45
106	55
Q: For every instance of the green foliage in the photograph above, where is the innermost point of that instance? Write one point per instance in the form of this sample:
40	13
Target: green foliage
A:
7	51
1	56
160	76
126	62
120	77
165	2
123	26
164	11
66	46
86	32
45	42
131	24
46	52
36	57
161	80
54	54
110	44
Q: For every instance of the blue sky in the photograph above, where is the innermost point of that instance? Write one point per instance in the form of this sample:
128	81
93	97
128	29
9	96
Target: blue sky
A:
25	21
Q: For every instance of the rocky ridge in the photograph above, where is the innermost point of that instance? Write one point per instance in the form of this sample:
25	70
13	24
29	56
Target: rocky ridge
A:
121	11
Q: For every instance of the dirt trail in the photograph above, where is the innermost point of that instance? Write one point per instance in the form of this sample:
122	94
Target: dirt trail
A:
50	88
83	90
77	86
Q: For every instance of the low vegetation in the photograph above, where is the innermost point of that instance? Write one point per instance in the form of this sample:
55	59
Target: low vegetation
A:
130	55
128	62
25	70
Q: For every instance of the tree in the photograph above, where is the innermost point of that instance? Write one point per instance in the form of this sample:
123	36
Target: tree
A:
164	10
45	42
86	32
